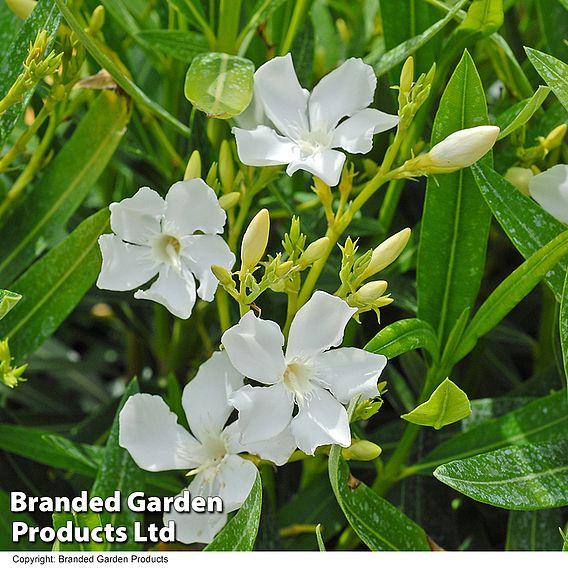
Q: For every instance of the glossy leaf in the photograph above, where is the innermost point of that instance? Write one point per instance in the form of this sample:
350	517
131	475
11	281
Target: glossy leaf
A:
7	301
524	478
180	45
53	286
542	420
219	84
563	327
447	404
117	471
553	15
402	336
6	520
523	112
86	520
534	530
455	224
45	16
526	223
38	220
240	532
553	71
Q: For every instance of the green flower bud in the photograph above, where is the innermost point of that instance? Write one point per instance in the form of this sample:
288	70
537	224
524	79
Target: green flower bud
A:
386	253
370	292
22	8
362	450
193	169
229	200
314	252
223	275
255	240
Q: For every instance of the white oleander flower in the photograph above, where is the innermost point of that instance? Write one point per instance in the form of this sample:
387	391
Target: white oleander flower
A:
176	238
550	190
317	380
150	432
308	127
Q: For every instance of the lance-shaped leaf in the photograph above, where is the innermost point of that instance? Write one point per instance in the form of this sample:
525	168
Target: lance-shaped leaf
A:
448	404
524	478
88	521
563	327
219	84
553	71
521	113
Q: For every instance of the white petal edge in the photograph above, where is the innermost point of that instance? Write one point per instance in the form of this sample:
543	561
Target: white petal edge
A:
254	347
355	134
318	325
281	95
550	190
124	266
150	432
349	372
321	420
264	412
135	219
343	92
205	398
173	290
326	165
235	476
264	147
191	206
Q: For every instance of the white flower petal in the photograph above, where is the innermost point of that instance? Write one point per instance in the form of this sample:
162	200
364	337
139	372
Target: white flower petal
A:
124	266
321	420
356	133
196	527
137	218
349	372
254	347
191	206
150	432
550	190
343	92
206	397
252	116
173	290
326	165
285	102
318	325
264	412
277	449
264	147
200	252
235	476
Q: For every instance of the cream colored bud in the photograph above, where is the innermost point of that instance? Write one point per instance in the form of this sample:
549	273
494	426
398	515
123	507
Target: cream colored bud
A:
362	450
223	275
229	200
386	253
193	169
555	137
314	252
520	178
406	80
97	20
226	167
371	292
255	240
22	8
460	149
284	268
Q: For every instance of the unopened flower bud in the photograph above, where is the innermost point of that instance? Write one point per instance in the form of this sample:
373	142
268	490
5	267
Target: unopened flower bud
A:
193	169
460	149
97	20
371	292
255	240
406	79
314	252
223	275
22	8
284	268
555	137
226	167
520	178
361	450
229	200
386	253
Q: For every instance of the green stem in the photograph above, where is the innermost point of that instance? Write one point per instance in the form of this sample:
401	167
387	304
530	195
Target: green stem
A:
205	28
222	300
301	8
229	19
290	311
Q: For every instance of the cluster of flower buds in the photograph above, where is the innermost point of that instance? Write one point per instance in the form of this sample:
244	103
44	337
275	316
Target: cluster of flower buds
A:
36	66
412	95
10	376
545	145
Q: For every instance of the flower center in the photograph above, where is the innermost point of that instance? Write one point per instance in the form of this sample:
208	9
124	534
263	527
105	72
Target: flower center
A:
166	249
298	379
314	141
212	451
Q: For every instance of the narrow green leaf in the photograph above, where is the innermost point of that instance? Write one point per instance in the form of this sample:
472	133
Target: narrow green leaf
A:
523	112
563	327
117	471
483	16
553	71
121	79
402	336
86	520
38	219
180	45
553	17
45	16
321	544
526	223
53	286
6	520
543	420
524	478
534	530
447	404
7	301
455	224
220	85
240	532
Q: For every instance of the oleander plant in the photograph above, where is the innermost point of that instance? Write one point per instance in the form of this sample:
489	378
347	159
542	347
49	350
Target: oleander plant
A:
305	256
